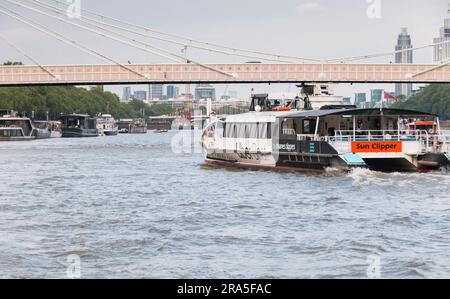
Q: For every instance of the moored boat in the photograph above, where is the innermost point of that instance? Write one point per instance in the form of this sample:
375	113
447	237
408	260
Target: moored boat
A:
55	127
132	126
78	125
43	129
106	125
15	128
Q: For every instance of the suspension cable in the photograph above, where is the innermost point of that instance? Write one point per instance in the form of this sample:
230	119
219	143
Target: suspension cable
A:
188	39
363	57
62	38
120	40
12	45
171	41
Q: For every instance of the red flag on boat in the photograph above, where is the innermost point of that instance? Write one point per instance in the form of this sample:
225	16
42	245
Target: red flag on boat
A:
388	96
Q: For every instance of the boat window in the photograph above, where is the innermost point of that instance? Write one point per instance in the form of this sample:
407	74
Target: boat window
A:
249	131
309	126
219	131
91	123
262	131
229	130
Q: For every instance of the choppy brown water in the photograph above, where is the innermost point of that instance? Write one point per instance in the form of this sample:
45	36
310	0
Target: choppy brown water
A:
130	208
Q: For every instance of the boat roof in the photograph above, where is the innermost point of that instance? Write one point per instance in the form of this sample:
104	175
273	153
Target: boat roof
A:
354	111
76	115
13	118
270	116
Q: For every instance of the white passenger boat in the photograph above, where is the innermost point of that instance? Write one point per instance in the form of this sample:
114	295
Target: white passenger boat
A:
277	135
15	128
106	125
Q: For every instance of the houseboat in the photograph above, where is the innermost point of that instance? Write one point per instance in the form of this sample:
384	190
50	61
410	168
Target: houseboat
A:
132	126
15	128
78	125
43	129
278	135
106	125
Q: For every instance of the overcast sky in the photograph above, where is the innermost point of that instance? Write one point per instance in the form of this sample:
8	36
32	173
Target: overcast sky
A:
321	29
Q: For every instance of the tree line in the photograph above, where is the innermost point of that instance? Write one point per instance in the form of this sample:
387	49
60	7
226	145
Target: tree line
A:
66	100
434	99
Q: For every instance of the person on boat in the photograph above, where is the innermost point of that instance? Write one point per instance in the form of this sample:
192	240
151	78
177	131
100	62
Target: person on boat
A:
359	128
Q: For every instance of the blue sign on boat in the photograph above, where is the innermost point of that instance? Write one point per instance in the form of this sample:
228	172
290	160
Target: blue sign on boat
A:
354	159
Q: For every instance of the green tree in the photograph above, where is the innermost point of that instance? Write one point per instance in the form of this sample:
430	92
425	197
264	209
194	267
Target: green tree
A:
432	99
13	63
65	100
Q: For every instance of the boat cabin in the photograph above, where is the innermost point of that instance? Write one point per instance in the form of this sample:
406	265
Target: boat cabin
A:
358	124
78	125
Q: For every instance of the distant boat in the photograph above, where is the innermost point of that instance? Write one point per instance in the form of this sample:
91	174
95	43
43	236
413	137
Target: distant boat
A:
55	127
14	128
78	125
133	126
43	130
106	125
161	131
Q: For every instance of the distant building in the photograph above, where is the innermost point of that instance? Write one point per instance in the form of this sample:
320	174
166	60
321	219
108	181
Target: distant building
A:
155	91
347	101
188	96
405	57
140	95
126	96
172	92
225	97
361	100
204	91
442	51
376	96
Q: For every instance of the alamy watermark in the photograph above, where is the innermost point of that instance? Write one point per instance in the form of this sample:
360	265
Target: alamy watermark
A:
374	9
73	11
374	268
74	266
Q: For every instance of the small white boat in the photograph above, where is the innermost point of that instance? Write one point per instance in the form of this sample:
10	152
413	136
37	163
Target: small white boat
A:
55	127
106	125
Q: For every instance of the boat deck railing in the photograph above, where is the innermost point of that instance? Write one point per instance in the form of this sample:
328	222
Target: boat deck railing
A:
381	135
429	142
446	143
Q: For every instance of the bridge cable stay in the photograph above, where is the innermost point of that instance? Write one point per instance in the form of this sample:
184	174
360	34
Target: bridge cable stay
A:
443	64
120	40
62	38
12	45
346	59
83	27
146	35
364	57
58	11
188	39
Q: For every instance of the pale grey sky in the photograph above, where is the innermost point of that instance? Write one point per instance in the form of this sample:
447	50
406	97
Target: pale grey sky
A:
320	29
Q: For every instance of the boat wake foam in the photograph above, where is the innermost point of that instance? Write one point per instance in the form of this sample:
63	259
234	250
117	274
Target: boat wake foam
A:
363	177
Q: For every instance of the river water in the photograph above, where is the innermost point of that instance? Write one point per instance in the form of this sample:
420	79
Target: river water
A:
129	207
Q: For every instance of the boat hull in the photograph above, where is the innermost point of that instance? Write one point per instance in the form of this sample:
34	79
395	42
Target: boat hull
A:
20	138
110	133
43	134
79	133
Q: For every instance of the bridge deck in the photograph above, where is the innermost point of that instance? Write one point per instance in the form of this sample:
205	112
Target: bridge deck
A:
237	73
